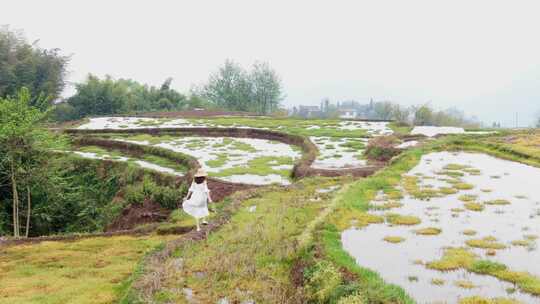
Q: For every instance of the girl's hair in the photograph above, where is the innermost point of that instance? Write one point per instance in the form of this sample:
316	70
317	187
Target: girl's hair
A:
199	179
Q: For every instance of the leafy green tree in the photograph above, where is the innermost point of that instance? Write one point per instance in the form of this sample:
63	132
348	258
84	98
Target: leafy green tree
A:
233	88
423	115
99	97
24	146
109	96
22	64
229	88
266	88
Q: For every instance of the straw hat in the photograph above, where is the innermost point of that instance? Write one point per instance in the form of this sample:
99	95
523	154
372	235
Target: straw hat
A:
201	173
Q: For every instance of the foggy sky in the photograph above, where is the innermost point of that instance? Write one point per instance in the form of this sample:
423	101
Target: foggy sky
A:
480	56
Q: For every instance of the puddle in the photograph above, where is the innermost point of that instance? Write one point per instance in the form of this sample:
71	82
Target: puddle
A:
407	144
97	123
239	160
140	163
372	127
431	131
516	183
339	153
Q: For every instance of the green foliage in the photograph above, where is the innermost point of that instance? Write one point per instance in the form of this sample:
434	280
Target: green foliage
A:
109	96
24	144
167	197
424	115
233	88
22	64
322	280
382	148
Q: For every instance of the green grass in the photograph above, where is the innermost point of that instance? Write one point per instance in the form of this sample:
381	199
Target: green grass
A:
328	127
259	166
254	250
355	200
456	258
92	270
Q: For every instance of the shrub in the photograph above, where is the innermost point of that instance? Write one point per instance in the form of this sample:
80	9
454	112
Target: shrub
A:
322	280
382	148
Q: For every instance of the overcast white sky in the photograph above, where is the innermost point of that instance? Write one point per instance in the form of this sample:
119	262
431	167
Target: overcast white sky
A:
480	56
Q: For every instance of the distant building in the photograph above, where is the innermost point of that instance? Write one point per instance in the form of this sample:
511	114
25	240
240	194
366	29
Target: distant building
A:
309	111
347	113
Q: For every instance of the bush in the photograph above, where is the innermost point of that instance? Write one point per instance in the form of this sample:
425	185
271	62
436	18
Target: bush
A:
382	148
322	280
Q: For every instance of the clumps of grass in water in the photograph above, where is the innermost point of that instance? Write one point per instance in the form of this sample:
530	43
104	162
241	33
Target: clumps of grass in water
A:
412	278
486	190
448	190
530	237
453	259
220	161
455	167
259	166
524	280
495	176
523	243
497	202
428	231
485	243
467	197
450	173
242	146
438	282
344	219
469	232
393	239
411	185
398	219
473	206
463	186
520	196
481	300
457	210
465	284
388	206
473	171
329	147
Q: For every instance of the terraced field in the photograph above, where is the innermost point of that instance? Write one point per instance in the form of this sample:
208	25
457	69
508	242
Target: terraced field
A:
443	222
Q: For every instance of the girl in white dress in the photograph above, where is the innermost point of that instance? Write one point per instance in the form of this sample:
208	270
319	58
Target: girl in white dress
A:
197	199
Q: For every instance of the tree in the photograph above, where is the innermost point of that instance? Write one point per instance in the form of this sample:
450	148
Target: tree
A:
22	64
228	88
423	115
24	146
109	96
234	88
266	88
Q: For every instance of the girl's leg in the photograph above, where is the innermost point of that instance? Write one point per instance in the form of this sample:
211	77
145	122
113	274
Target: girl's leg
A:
204	221
198	226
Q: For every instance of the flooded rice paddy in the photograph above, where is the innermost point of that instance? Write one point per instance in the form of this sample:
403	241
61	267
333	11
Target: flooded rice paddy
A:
335	152
339	153
467	207
96	123
138	162
241	160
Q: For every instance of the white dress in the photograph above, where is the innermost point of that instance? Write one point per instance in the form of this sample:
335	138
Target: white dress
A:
197	204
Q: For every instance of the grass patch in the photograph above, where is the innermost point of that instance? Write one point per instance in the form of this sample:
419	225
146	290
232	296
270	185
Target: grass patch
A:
498	202
485	243
428	231
254	250
398	219
393	239
473	206
86	271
